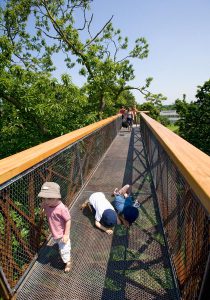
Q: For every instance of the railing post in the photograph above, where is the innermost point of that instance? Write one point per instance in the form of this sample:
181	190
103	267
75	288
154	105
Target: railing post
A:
80	165
187	222
5	290
205	290
20	177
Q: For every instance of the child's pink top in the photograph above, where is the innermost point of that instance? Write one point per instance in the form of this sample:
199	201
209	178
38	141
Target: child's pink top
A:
57	218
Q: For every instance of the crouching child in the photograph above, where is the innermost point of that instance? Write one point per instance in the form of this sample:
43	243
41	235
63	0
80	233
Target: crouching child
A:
105	215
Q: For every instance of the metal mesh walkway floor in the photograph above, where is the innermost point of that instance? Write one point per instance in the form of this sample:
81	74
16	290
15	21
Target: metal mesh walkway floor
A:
131	264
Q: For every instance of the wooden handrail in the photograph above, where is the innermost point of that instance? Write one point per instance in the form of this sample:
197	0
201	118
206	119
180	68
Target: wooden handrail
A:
192	162
17	163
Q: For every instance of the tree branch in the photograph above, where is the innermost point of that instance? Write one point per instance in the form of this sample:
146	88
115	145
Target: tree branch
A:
65	39
85	21
89	25
50	36
98	33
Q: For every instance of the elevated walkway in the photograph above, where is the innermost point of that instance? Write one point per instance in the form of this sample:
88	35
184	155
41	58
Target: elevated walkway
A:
131	264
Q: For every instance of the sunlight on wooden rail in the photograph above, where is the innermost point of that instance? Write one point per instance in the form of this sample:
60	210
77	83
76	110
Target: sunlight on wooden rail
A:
192	162
17	163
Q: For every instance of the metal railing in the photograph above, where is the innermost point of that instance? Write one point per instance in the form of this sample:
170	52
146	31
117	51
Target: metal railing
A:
181	175
68	160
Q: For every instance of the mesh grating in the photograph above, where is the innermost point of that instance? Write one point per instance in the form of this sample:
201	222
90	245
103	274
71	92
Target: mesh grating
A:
184	218
22	228
131	264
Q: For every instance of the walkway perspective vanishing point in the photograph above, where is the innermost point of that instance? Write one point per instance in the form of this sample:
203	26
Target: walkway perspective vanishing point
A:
163	255
131	264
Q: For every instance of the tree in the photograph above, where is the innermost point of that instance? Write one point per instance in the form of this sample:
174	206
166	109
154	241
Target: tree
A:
194	123
38	106
35	108
100	55
169	107
154	110
153	104
164	120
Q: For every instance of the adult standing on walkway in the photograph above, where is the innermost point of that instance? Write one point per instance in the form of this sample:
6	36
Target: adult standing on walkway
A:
122	111
130	117
135	116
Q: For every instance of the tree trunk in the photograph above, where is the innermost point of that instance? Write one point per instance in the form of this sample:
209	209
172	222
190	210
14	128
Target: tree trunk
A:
102	105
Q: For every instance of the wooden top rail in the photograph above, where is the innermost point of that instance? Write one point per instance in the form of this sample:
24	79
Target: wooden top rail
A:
17	163
192	162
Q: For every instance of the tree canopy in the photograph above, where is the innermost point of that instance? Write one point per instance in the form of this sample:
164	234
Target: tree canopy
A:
34	105
194	123
36	108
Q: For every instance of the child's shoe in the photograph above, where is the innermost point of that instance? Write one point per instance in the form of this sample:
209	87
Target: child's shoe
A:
116	192
136	204
124	189
68	267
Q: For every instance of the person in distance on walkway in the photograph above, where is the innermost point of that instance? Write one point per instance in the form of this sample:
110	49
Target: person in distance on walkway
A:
122	111
135	114
105	215
59	219
130	117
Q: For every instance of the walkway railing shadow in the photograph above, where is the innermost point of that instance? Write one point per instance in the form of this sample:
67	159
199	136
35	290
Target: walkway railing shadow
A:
180	175
68	160
175	186
139	267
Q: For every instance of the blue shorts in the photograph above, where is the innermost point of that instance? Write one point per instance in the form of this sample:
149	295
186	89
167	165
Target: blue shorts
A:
120	203
130	121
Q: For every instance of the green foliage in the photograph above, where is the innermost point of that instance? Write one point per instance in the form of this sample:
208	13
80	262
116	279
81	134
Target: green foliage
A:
169	107
112	285
56	29
194	123
154	111
35	107
164	120
174	128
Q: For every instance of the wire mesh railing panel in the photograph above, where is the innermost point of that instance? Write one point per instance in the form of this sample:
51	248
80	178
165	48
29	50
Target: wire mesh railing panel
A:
22	226
184	218
91	148
130	264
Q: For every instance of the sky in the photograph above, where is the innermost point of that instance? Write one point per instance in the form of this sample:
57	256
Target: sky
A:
178	33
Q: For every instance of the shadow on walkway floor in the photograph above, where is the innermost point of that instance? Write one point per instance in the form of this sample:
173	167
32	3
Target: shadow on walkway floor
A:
138	266
131	264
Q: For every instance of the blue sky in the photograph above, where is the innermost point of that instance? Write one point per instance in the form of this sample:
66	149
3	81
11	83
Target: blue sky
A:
178	33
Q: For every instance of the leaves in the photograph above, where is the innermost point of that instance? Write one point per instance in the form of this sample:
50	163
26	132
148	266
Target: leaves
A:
194	123
34	106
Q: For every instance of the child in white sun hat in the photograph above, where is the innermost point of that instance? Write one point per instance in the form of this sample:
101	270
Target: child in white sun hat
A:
59	219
